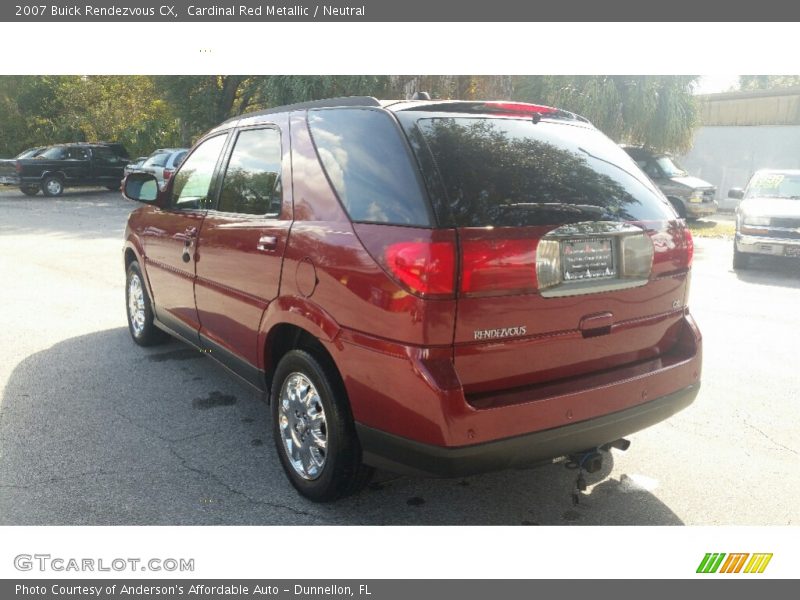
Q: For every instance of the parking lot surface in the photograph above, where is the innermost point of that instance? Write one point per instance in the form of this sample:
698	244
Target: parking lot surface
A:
96	430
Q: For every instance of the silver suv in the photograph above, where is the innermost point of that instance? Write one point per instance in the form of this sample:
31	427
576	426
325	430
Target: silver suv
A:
163	163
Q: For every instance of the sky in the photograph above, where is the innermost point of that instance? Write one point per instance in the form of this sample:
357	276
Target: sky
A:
711	84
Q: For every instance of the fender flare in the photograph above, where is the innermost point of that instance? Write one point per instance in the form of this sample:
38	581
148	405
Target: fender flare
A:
138	253
300	312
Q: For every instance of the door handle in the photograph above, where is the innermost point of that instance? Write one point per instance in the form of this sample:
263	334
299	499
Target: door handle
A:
267	243
189	234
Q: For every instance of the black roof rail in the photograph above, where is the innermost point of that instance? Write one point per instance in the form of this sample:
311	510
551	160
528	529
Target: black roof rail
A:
326	103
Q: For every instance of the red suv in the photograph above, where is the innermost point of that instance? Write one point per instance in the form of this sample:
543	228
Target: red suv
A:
434	287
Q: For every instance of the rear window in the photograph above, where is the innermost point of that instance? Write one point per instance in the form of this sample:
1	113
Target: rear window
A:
369	165
514	172
157	160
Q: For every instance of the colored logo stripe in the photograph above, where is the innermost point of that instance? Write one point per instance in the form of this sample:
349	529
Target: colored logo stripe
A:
710	563
733	564
758	563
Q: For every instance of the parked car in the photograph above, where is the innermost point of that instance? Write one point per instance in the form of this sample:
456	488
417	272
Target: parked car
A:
691	197
768	216
432	287
135	164
163	162
64	165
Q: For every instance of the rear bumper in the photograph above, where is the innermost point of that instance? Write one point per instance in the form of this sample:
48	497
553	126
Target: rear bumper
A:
701	209
412	414
406	456
9	180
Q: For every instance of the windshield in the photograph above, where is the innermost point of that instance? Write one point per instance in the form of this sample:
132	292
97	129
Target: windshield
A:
774	185
509	172
55	153
670	167
29	153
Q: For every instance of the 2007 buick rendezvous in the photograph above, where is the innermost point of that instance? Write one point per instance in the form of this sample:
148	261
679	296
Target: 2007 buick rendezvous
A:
432	287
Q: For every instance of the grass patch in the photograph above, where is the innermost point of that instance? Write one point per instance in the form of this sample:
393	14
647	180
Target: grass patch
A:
712	229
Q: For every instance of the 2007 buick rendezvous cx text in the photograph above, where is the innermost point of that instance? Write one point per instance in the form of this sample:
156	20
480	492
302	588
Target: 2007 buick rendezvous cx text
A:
435	287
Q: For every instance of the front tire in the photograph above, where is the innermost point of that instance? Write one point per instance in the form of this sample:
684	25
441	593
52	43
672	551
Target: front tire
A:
29	190
140	309
52	186
740	259
313	430
679	207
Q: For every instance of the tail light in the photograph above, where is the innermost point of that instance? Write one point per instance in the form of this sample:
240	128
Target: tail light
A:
168	173
674	248
423	261
425	267
490	266
18	167
688	242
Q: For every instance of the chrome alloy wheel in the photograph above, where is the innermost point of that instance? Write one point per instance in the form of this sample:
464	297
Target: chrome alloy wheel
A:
136	304
54	187
304	430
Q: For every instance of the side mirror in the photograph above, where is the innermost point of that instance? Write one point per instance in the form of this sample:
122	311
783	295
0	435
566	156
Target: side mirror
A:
141	187
737	193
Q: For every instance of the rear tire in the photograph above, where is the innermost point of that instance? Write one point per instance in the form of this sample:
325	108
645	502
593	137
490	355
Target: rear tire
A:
679	207
740	259
140	310
29	190
52	186
313	429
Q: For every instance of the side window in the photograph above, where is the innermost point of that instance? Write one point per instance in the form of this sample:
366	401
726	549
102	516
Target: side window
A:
369	166
104	155
252	183
177	159
193	181
653	170
77	153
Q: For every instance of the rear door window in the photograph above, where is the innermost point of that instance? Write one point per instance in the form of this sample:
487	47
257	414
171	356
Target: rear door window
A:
370	166
514	172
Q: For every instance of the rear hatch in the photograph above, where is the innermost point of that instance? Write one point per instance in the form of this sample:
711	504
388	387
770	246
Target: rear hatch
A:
570	262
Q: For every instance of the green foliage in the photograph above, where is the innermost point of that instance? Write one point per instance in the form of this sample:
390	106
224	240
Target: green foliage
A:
38	110
767	82
655	111
146	112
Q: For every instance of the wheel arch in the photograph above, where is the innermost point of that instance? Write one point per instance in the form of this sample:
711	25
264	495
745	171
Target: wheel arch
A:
295	323
679	206
59	174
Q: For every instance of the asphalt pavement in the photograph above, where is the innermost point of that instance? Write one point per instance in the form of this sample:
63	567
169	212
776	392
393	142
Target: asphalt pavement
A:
95	430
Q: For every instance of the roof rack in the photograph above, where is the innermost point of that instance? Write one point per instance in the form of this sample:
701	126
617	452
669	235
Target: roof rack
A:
326	103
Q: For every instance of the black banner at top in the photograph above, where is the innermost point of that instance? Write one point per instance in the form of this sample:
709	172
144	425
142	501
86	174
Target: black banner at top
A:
396	11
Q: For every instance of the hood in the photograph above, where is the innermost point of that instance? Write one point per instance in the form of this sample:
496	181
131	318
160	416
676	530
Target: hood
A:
694	183
770	207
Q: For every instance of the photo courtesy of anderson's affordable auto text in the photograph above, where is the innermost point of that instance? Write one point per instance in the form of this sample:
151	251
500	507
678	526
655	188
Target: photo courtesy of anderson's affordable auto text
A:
262	274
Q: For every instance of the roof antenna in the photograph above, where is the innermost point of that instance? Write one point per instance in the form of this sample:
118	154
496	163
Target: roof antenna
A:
420	96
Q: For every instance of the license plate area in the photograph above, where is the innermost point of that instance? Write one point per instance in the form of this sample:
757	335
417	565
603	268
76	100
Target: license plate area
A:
588	259
793	251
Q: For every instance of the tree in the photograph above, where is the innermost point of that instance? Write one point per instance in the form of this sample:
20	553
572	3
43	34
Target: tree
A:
655	111
767	82
36	110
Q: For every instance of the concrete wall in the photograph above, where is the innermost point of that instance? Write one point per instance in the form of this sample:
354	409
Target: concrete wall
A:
758	107
727	155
